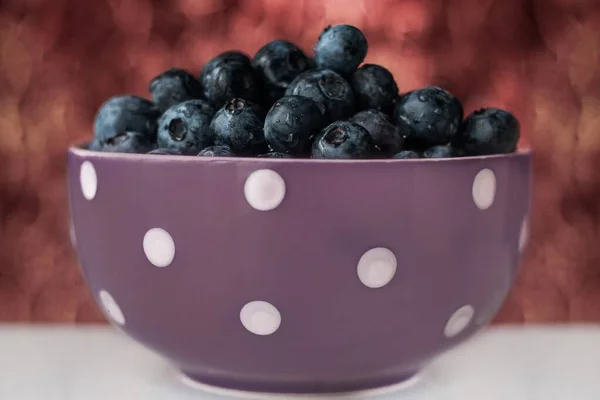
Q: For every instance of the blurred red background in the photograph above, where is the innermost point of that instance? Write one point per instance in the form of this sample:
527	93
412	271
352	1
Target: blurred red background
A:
60	59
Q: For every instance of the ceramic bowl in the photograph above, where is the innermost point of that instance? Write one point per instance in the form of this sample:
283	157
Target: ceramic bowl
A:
298	276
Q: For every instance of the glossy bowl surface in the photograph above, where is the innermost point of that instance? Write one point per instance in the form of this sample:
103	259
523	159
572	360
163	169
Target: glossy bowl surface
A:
299	276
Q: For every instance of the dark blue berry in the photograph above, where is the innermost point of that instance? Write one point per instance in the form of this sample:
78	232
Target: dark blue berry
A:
239	125
166	152
387	136
275	154
341	48
227	76
374	88
457	151
291	123
432	115
217	151
344	140
174	86
126	142
186	127
332	93
126	114
488	131
406	154
95	145
439	152
277	64
231	56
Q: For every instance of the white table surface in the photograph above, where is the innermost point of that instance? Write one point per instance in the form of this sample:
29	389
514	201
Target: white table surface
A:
98	363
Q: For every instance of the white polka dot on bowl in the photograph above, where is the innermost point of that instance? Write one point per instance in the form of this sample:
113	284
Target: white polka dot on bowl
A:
88	180
159	247
459	321
72	235
111	307
484	189
377	267
260	317
524	234
264	190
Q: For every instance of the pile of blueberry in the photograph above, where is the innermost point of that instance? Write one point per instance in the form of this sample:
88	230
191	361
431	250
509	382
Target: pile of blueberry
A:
283	104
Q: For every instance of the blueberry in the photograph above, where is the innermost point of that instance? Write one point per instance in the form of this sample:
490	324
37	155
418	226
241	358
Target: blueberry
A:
174	86
374	87
217	151
95	145
277	64
432	115
387	136
488	131
239	125
406	154
439	152
275	154
341	48
167	152
291	123
227	76
126	142
232	56
126	114
186	127
332	93
344	139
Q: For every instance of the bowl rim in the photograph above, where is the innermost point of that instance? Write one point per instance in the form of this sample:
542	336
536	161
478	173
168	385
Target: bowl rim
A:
80	151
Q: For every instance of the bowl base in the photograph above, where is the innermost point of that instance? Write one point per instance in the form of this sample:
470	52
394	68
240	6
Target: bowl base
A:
403	384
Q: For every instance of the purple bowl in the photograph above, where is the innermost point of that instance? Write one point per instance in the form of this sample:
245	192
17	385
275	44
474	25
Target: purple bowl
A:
299	276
